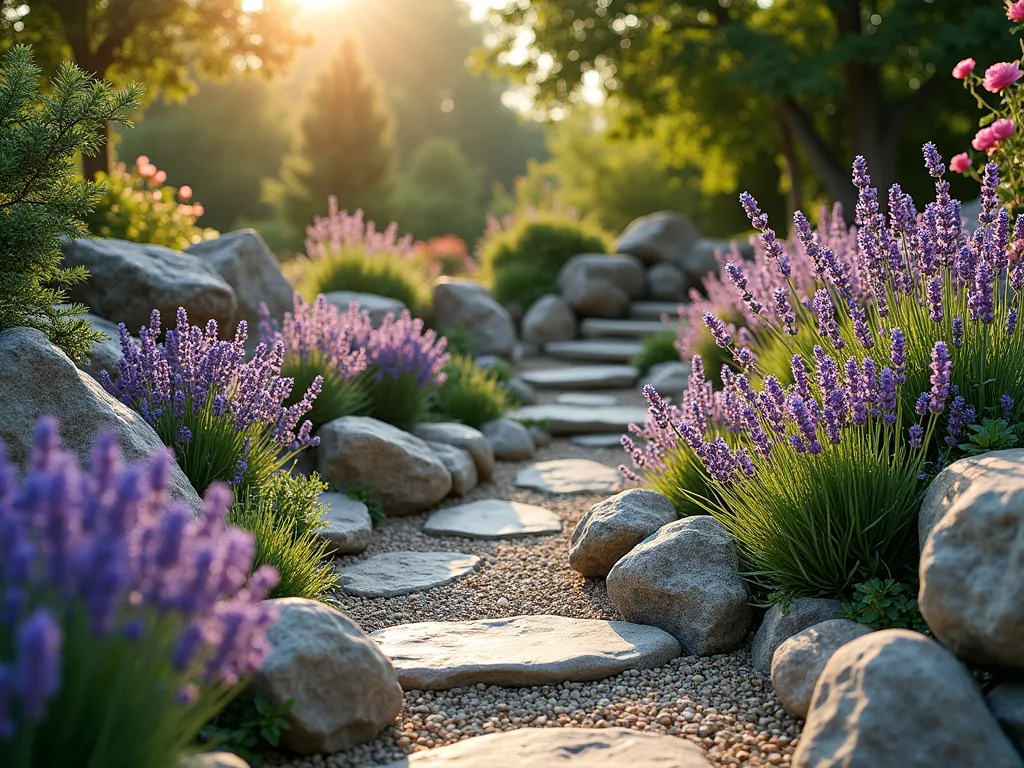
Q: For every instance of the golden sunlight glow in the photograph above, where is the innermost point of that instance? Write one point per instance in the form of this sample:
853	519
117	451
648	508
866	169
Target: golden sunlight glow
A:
253	6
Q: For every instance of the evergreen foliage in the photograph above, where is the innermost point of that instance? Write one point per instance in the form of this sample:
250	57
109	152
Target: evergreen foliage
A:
41	199
470	394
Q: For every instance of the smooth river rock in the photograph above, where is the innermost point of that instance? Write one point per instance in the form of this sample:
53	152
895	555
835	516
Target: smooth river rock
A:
390	574
347	523
612	527
493	519
570	476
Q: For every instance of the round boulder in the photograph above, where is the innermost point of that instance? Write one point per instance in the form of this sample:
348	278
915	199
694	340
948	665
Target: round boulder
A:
622	270
612	527
1006	702
779	625
549	318
666	282
468	304
510	440
658	237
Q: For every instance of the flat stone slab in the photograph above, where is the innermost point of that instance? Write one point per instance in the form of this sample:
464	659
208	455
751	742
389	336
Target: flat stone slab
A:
583	377
347	523
597	327
600	440
493	519
402	573
576	747
521	650
566	476
653	310
581	420
586	399
595	350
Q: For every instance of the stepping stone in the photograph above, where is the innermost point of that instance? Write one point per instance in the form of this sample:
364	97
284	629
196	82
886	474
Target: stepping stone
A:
653	310
566	476
402	573
596	327
601	440
583	377
521	650
581	420
348	526
570	747
586	399
493	519
595	350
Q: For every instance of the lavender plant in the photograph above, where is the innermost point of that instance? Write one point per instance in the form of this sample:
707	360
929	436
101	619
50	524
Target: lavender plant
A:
225	417
321	341
120	614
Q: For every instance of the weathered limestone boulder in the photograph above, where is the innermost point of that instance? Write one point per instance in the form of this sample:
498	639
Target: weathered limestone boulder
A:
592	297
468	304
459	465
659	237
461	436
897	699
778	626
972	564
37	379
129	280
622	270
684	579
549	318
377	307
701	259
104	354
245	262
1006	702
666	282
345	690
406	474
797	662
509	440
612	527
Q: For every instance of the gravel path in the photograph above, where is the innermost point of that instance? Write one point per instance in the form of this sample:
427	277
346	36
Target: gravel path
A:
718	702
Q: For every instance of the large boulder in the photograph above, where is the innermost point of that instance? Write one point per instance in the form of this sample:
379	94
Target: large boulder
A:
104	354
470	305
549	318
627	272
509	440
659	237
592	297
245	262
701	259
684	579
129	280
972	564
779	625
897	699
612	527
406	474
37	379
461	436
345	690
1006	702
670	378
666	282
377	307
797	662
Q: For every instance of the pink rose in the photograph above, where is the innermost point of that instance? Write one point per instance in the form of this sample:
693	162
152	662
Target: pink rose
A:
1003	129
141	160
961	162
1015	11
185	193
984	139
145	171
1000	75
161	176
965	67
198	209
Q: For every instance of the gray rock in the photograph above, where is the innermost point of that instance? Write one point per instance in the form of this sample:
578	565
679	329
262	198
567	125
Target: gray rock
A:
583	377
345	690
670	379
579	419
595	350
778	626
612	527
37	379
598	440
684	579
586	399
797	662
897	699
390	574
604	328
460	466
129	280
569	476
347	524
104	354
492	519
522	391
468	304
666	282
591	297
541	437
659	237
1006	702
405	473
701	259
620	270
245	262
378	307
582	747
548	319
213	760
509	440
972	584
461	436
521	650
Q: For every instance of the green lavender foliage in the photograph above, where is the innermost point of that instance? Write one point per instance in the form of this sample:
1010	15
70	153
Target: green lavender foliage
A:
42	199
680	479
339	397
470	394
352	268
398	400
884	604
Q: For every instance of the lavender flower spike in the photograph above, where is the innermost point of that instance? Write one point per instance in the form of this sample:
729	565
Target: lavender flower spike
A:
933	161
941	368
718	331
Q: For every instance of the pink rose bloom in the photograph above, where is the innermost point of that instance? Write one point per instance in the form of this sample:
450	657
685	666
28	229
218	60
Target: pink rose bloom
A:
1003	129
960	163
198	209
1015	11
141	161
965	67
1000	75
984	139
185	193
161	176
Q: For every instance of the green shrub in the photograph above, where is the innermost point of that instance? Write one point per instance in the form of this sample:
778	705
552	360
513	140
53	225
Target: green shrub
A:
460	339
248	726
522	257
470	394
367	494
398	400
40	199
887	604
658	348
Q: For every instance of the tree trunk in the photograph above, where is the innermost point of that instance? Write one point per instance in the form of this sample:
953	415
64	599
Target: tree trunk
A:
834	177
102	160
795	193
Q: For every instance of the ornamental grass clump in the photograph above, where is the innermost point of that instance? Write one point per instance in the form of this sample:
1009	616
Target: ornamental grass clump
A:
225	417
470	394
321	341
126	625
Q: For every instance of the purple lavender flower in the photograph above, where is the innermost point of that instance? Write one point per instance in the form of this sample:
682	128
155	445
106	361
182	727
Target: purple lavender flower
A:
772	404
757	219
735	273
941	368
898	351
718	331
38	662
887	398
404	346
1011	321
1006	405
933	161
935	299
826	313
922	403
956	422
657	407
981	300
860	324
784	311
916	433
805	421
799	376
958	331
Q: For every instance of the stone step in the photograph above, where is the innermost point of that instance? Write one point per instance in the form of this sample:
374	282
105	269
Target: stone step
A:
559	419
599	327
653	310
598	440
390	574
583	377
518	651
562	477
493	519
595	350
